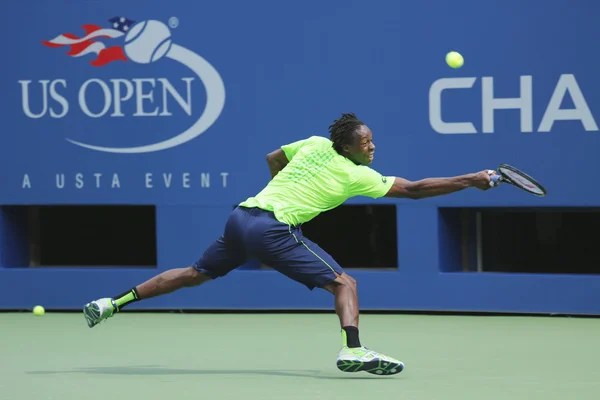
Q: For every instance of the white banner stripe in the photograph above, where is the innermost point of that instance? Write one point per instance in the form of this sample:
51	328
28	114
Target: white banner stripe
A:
111	33
93	48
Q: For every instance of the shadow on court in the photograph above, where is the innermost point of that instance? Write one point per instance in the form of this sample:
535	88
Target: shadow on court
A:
159	370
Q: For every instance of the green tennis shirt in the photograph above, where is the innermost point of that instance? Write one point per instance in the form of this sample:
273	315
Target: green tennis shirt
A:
316	179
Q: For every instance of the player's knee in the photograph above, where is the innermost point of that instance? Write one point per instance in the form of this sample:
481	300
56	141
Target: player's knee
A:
351	282
351	279
195	277
344	281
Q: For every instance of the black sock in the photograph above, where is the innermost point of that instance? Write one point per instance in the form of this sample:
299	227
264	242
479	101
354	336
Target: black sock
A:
351	336
131	296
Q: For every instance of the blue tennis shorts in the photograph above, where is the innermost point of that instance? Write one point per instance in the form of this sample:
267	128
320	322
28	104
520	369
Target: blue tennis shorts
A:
253	233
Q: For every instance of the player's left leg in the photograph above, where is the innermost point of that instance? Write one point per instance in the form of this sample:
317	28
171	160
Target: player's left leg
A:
305	262
353	357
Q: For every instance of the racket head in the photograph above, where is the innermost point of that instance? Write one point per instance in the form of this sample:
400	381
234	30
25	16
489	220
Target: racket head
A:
521	180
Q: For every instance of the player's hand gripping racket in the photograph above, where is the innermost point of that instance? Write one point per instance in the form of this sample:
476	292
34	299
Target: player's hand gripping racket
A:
520	179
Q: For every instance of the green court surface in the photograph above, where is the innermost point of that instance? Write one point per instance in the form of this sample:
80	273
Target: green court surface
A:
292	356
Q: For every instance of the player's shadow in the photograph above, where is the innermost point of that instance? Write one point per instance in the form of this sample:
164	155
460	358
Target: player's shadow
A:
159	370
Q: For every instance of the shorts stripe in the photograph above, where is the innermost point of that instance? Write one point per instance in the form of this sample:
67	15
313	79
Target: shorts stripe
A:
292	233
324	262
307	248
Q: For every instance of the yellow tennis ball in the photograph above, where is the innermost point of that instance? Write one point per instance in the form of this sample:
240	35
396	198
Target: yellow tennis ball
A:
38	310
455	59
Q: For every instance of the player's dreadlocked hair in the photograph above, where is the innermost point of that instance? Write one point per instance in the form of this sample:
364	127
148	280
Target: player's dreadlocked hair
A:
342	130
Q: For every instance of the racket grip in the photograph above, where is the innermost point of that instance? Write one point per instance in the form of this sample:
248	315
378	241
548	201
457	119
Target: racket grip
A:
495	180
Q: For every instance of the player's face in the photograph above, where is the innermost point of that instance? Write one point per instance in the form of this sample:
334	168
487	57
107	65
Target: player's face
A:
363	148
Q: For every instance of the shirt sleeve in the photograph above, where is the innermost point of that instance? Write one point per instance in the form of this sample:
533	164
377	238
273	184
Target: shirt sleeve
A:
291	149
367	182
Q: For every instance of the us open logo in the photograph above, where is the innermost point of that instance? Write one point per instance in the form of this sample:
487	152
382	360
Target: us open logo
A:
140	43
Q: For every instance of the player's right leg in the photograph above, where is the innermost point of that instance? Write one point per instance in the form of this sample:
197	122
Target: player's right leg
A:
221	257
353	357
169	281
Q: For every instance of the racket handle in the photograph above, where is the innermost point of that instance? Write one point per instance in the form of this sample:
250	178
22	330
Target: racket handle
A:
495	180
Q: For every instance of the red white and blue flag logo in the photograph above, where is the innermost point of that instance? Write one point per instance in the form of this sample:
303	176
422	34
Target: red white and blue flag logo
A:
92	42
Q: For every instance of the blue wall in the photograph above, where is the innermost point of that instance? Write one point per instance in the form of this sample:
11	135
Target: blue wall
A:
241	78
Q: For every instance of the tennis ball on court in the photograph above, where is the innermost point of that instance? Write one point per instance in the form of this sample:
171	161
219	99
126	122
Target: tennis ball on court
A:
455	59
38	310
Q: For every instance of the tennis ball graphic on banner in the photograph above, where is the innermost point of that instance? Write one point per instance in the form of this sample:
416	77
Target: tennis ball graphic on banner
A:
147	41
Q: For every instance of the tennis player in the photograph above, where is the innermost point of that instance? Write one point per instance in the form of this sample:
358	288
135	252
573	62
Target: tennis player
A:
309	177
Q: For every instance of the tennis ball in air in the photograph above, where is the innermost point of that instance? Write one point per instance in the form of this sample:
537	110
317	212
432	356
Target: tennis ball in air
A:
454	59
38	310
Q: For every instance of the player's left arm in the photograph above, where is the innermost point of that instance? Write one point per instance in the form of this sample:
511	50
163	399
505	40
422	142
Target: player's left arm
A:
432	187
368	182
277	161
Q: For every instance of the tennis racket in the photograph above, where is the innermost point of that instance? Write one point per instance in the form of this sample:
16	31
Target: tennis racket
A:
517	178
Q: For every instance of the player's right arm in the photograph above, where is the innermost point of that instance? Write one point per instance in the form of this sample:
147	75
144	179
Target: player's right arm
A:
278	159
431	187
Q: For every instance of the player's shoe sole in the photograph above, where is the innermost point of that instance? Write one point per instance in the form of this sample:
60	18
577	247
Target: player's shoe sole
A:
376	367
99	310
359	359
92	314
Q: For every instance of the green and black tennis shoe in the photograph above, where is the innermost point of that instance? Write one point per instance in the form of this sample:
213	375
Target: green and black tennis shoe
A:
358	359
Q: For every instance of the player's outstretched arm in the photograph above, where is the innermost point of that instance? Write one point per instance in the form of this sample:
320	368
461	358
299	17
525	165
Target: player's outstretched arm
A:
431	187
277	160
